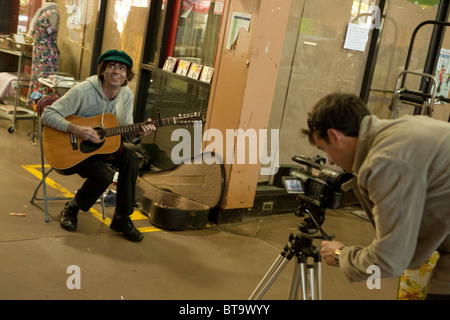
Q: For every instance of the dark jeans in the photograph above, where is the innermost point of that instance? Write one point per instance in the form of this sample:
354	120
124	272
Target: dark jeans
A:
99	176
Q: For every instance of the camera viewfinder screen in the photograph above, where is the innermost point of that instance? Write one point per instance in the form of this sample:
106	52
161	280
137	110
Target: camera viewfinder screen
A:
293	185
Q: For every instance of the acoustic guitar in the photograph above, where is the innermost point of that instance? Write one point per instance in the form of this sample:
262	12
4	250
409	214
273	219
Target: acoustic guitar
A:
66	152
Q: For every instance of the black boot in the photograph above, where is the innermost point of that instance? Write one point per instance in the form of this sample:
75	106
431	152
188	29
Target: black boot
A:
125	225
69	218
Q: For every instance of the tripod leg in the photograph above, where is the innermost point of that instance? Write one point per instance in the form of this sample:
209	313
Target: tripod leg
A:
269	278
304	288
293	293
311	282
319	279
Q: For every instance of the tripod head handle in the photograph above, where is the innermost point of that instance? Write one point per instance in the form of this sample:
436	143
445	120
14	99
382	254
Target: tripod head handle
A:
324	235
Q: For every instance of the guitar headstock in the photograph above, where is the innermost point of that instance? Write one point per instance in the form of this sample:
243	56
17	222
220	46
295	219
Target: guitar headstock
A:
197	119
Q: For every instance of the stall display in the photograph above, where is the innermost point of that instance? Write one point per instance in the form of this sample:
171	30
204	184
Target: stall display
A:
12	83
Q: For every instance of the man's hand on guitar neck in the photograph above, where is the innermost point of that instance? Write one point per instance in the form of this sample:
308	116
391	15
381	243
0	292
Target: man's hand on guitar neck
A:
147	128
86	133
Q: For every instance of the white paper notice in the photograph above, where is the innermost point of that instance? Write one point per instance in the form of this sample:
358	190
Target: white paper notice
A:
357	37
218	7
238	21
19	38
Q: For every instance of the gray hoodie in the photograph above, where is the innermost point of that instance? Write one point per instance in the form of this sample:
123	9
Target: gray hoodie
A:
87	99
403	182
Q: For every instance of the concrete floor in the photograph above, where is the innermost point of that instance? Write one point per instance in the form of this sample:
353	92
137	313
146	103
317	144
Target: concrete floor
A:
219	262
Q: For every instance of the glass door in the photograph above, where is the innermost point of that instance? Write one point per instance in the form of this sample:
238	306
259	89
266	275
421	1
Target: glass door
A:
178	66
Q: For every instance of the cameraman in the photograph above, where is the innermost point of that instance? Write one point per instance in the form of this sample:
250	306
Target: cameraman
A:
402	180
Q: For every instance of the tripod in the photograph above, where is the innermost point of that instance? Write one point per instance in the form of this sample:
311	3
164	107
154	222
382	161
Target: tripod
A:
301	247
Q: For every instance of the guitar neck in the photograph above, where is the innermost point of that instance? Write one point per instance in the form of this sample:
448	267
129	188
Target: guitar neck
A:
136	127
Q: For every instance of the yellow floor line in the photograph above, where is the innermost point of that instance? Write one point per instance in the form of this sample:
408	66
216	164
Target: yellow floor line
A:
35	170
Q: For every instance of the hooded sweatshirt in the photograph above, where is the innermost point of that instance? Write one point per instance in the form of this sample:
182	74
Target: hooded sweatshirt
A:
403	182
87	99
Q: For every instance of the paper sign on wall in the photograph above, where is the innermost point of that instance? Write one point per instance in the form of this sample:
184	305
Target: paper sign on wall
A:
442	72
356	37
218	7
239	21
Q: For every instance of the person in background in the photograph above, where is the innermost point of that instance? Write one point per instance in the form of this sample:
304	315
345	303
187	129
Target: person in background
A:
44	31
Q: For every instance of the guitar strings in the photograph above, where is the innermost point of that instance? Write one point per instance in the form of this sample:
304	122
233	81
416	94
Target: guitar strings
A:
103	113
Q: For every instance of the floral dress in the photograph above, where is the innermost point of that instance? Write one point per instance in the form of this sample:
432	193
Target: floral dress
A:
45	50
413	283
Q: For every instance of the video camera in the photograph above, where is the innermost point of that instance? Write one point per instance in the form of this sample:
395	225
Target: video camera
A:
317	188
321	187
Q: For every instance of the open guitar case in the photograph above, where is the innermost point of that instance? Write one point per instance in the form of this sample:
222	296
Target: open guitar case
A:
182	198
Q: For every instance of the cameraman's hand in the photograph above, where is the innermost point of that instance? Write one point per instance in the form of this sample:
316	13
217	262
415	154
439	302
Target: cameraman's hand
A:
328	249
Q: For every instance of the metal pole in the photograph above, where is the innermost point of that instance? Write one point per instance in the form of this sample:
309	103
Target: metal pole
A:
372	55
435	46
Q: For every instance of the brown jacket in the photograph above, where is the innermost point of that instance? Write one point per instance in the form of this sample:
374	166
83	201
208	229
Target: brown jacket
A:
402	179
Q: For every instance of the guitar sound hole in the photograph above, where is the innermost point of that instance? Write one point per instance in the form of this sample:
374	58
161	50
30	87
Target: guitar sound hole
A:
88	146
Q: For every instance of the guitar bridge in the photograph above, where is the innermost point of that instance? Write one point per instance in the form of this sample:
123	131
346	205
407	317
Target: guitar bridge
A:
74	141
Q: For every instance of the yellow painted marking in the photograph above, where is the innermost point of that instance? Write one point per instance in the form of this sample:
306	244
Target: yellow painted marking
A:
35	170
138	216
148	229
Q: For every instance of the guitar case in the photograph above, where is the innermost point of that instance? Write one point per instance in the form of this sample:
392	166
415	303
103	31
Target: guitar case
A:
182	198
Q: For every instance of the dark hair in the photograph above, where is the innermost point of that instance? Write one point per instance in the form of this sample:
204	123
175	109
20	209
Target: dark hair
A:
340	111
102	66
